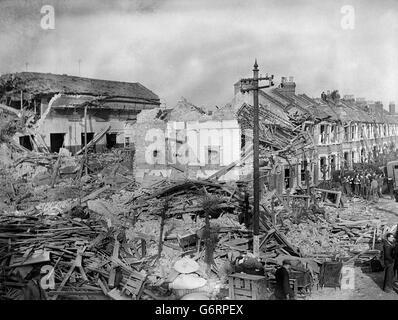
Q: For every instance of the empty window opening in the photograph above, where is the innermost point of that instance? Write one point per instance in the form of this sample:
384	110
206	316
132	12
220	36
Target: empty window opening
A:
287	178
323	134
126	141
26	142
213	155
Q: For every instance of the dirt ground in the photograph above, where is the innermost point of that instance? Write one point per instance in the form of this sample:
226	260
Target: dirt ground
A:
367	286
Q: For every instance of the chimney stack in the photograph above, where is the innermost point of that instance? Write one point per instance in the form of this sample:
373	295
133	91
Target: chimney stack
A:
349	97
288	85
392	107
237	88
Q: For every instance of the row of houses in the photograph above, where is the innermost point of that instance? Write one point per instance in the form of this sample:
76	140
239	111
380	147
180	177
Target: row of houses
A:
329	132
342	131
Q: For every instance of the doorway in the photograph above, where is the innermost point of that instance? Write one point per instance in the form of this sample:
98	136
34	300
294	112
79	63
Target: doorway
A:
287	178
90	136
111	140
56	141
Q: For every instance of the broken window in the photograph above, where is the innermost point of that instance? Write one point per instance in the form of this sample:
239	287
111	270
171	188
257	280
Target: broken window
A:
332	134
362	155
333	162
287	178
126	141
323	167
346	160
26	142
346	133
323	134
242	141
302	172
213	155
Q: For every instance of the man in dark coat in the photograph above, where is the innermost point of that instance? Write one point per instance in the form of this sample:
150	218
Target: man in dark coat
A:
388	262
283	289
396	256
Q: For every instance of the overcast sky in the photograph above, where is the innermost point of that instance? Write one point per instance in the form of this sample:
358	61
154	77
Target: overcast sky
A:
199	49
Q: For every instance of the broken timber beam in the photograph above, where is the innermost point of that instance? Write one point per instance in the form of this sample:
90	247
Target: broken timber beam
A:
97	137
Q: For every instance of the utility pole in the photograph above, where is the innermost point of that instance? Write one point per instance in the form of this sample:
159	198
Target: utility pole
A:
251	84
79	61
85	141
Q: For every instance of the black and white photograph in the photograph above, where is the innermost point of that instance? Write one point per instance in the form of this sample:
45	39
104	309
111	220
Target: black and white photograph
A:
225	151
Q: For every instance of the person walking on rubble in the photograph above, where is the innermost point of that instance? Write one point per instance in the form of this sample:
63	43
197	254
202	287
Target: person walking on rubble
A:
388	262
283	289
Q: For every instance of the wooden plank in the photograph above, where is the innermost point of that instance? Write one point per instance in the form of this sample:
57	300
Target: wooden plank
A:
96	138
39	257
115	255
243	292
116	294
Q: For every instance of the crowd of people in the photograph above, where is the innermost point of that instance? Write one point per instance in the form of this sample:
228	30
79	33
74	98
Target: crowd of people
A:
366	184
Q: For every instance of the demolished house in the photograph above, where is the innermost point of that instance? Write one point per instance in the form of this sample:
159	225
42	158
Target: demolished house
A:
58	104
195	143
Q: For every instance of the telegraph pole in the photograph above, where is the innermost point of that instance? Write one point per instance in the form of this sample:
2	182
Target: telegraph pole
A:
85	141
251	84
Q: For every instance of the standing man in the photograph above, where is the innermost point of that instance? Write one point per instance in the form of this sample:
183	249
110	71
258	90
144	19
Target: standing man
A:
374	186
283	289
380	181
357	182
396	256
388	262
390	187
367	186
362	184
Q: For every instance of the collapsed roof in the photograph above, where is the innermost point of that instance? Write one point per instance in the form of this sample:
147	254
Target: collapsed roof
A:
35	84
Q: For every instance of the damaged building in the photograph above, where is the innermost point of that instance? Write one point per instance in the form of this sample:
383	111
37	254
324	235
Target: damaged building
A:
327	134
59	101
180	217
344	130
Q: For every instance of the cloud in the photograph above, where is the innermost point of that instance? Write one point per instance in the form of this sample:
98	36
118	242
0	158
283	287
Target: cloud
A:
199	49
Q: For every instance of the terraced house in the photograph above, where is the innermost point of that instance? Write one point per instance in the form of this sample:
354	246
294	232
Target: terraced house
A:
344	130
